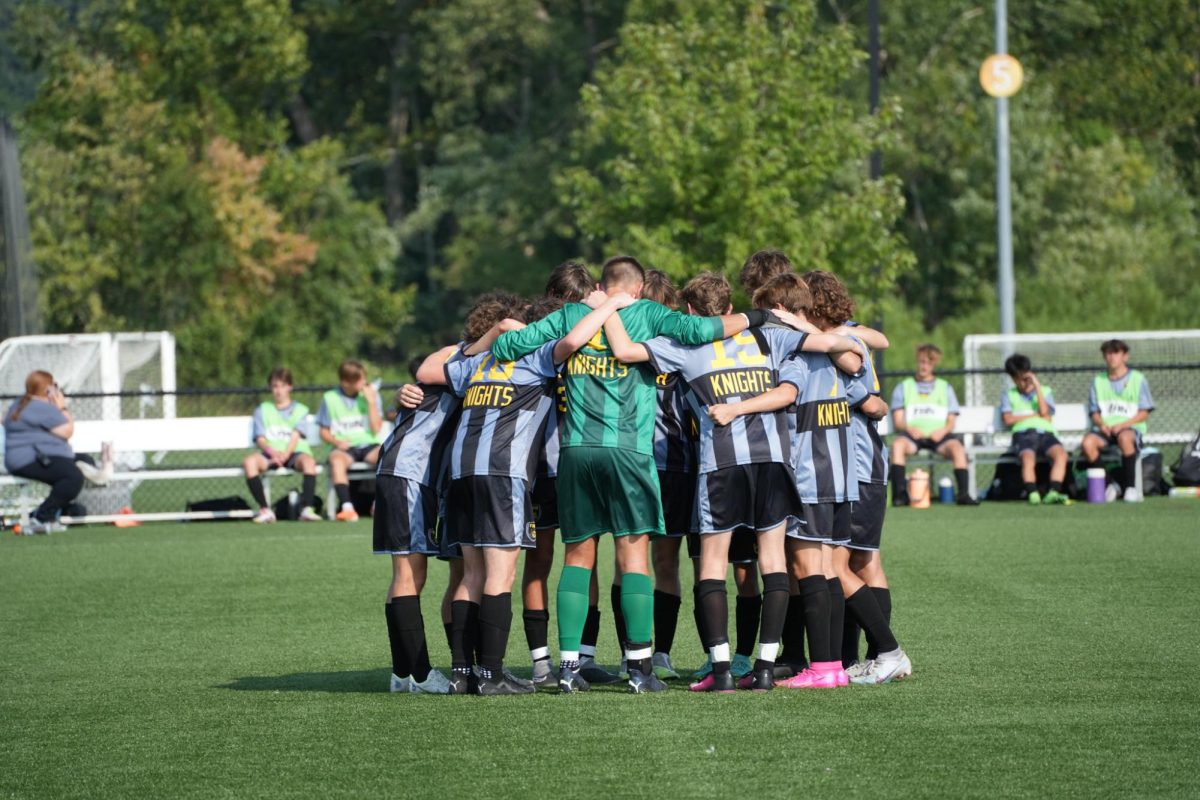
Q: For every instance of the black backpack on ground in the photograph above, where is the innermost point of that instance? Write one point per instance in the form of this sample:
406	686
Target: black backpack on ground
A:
1186	471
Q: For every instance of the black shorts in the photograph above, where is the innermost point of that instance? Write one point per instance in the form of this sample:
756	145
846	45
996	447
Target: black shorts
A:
828	523
755	496
289	464
361	452
490	511
545	503
1111	441
866	516
1040	442
678	493
406	514
743	546
930	444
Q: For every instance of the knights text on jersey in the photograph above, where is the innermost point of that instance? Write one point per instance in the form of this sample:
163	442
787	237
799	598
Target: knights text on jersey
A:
729	370
504	409
822	458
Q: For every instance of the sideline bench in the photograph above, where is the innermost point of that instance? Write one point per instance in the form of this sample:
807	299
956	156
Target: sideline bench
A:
156	438
987	441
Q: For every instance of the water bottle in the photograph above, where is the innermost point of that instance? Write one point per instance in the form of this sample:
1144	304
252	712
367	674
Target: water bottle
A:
1096	477
945	491
918	489
1185	491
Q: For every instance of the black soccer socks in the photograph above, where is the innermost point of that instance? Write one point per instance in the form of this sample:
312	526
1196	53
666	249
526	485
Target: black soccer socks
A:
405	613
774	604
864	607
814	592
495	622
666	619
746	614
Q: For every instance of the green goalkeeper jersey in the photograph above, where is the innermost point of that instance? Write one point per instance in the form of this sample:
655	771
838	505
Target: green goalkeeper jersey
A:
609	404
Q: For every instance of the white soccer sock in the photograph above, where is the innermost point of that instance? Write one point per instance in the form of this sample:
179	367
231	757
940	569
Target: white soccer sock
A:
719	652
538	653
768	652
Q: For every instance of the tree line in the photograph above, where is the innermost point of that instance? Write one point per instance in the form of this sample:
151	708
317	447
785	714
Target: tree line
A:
295	182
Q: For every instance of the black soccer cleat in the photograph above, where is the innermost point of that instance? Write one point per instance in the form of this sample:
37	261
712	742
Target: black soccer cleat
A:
570	681
503	683
594	673
463	684
760	680
966	500
786	669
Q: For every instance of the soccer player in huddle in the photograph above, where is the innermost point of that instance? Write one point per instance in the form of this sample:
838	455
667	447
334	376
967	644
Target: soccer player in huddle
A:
607	481
1027	409
350	419
746	479
857	565
493	457
924	411
410	490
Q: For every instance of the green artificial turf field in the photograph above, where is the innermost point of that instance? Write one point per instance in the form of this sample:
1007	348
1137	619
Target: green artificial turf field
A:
1054	653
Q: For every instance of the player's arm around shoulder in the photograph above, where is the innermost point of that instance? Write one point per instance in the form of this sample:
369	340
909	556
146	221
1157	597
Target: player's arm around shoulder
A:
846	353
781	396
623	348
511	345
602	307
433	369
874	407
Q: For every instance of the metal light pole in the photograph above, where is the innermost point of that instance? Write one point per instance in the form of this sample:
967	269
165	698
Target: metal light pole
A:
1007	292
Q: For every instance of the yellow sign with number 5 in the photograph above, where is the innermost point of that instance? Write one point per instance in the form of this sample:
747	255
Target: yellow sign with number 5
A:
1001	75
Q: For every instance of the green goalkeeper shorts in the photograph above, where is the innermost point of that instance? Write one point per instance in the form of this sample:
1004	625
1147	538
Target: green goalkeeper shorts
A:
607	490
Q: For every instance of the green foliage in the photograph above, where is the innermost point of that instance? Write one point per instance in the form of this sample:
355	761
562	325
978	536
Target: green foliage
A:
149	212
720	129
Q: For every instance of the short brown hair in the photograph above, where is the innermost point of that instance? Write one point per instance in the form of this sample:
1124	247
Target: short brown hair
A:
622	270
1114	346
351	370
762	267
658	287
280	374
708	294
932	350
488	309
570	280
831	303
788	290
541	307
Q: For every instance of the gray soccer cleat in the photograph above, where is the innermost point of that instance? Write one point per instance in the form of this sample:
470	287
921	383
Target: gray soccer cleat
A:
570	681
859	668
399	684
641	683
663	667
594	673
544	672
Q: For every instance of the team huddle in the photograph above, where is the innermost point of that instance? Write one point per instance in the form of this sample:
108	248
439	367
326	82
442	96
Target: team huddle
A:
655	416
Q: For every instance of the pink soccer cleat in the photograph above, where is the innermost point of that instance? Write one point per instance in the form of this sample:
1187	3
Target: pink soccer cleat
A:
811	678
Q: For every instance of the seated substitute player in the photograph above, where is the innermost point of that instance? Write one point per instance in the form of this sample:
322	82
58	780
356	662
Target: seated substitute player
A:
493	457
607	482
831	310
745	478
407	488
1119	403
1027	408
279	432
350	419
924	410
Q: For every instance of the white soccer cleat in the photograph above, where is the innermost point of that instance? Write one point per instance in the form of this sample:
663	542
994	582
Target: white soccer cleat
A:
307	514
264	516
1132	495
399	684
859	668
1111	493
885	669
434	683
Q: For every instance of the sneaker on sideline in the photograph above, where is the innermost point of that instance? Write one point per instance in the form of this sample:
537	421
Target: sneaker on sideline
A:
264	516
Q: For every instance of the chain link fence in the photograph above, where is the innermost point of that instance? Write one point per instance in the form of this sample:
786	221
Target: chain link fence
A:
1175	388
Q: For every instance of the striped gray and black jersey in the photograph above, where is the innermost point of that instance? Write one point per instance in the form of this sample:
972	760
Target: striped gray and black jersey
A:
417	446
870	454
504	409
727	371
674	426
822	456
548	456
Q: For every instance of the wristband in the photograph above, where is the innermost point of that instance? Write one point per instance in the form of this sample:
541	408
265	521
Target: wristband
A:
756	318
